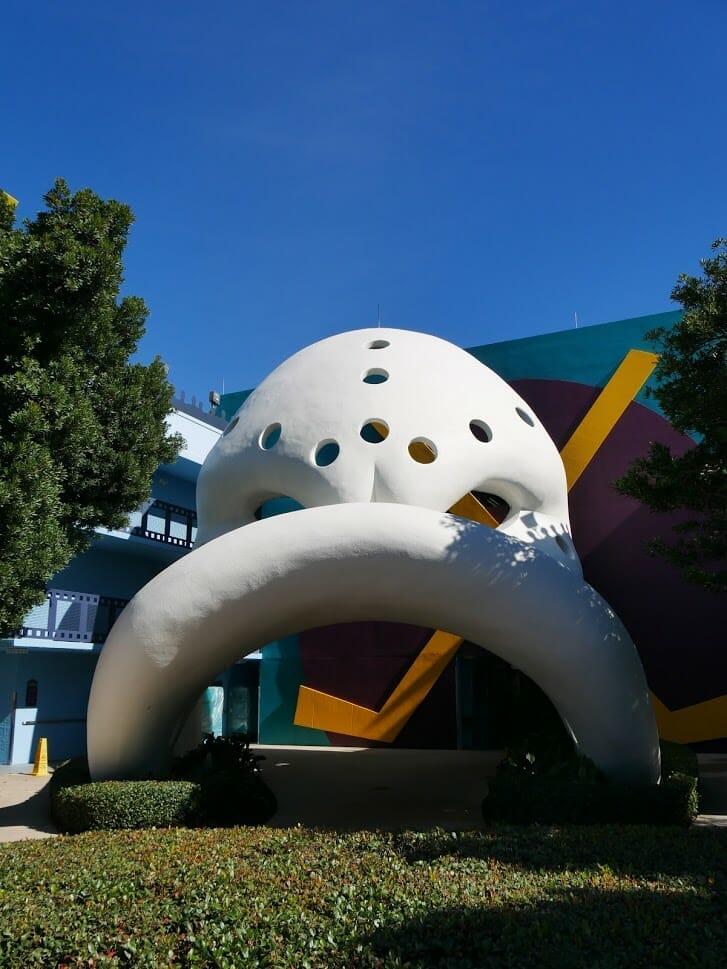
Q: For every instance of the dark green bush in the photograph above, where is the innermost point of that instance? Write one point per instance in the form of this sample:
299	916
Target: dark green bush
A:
550	784
678	759
217	753
109	805
232	788
231	797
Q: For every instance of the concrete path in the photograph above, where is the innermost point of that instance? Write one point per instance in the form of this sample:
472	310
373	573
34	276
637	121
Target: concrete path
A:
24	805
712	789
352	788
356	788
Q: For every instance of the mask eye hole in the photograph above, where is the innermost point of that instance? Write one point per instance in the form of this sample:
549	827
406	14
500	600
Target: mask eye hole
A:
374	431
270	436
497	506
481	431
231	426
422	450
375	376
524	416
326	453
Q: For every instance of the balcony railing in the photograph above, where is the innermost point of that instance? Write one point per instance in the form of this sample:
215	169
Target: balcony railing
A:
73	617
164	522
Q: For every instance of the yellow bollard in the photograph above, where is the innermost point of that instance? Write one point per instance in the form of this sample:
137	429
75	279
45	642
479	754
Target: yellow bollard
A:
40	767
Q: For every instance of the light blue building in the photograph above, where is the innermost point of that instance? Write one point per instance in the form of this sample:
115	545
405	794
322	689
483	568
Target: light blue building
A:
47	668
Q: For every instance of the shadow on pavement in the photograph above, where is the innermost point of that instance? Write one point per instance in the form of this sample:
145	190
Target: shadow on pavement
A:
377	788
25	810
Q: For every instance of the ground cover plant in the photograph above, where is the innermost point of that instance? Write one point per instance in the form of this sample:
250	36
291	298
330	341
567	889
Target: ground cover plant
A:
609	896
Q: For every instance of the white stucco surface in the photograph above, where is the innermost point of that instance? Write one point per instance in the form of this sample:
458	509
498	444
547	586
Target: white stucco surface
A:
432	392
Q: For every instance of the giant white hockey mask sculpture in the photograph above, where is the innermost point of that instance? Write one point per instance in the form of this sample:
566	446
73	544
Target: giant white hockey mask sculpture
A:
328	402
376	433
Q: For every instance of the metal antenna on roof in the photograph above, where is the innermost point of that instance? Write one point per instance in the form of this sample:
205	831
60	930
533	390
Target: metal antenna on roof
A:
378	315
575	317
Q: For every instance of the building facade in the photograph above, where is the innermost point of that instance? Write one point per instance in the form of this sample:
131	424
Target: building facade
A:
588	387
46	669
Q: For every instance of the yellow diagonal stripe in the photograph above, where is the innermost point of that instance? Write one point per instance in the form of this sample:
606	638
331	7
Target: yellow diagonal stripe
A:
326	712
692	724
624	385
470	507
13	202
699	722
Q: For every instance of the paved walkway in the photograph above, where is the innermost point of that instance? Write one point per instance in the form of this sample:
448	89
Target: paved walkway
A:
24	805
713	789
355	788
352	788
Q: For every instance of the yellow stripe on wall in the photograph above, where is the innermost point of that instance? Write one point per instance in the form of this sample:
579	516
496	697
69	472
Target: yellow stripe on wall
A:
693	724
699	722
325	712
469	507
627	381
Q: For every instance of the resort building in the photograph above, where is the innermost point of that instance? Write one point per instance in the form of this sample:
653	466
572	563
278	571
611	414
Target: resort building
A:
588	387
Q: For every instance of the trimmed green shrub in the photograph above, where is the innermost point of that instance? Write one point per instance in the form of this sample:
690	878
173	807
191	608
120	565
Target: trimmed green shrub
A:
218	784
551	784
109	805
678	759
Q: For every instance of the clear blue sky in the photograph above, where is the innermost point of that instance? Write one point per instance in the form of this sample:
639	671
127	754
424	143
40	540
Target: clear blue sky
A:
482	170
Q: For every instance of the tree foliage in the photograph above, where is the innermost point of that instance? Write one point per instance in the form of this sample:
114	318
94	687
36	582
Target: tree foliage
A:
81	428
691	388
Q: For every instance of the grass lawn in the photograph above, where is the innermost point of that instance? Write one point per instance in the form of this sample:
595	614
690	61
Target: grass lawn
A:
533	896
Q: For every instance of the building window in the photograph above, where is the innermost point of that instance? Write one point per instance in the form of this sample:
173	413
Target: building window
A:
31	693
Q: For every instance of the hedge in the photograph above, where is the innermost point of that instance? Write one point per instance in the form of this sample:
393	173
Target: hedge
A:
220	791
556	787
108	805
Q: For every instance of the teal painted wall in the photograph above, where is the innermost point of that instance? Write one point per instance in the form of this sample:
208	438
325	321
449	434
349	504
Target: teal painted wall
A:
174	490
587	355
229	403
281	673
64	681
105	572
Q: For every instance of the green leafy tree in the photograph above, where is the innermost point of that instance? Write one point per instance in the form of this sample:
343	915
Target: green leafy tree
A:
81	428
692	391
